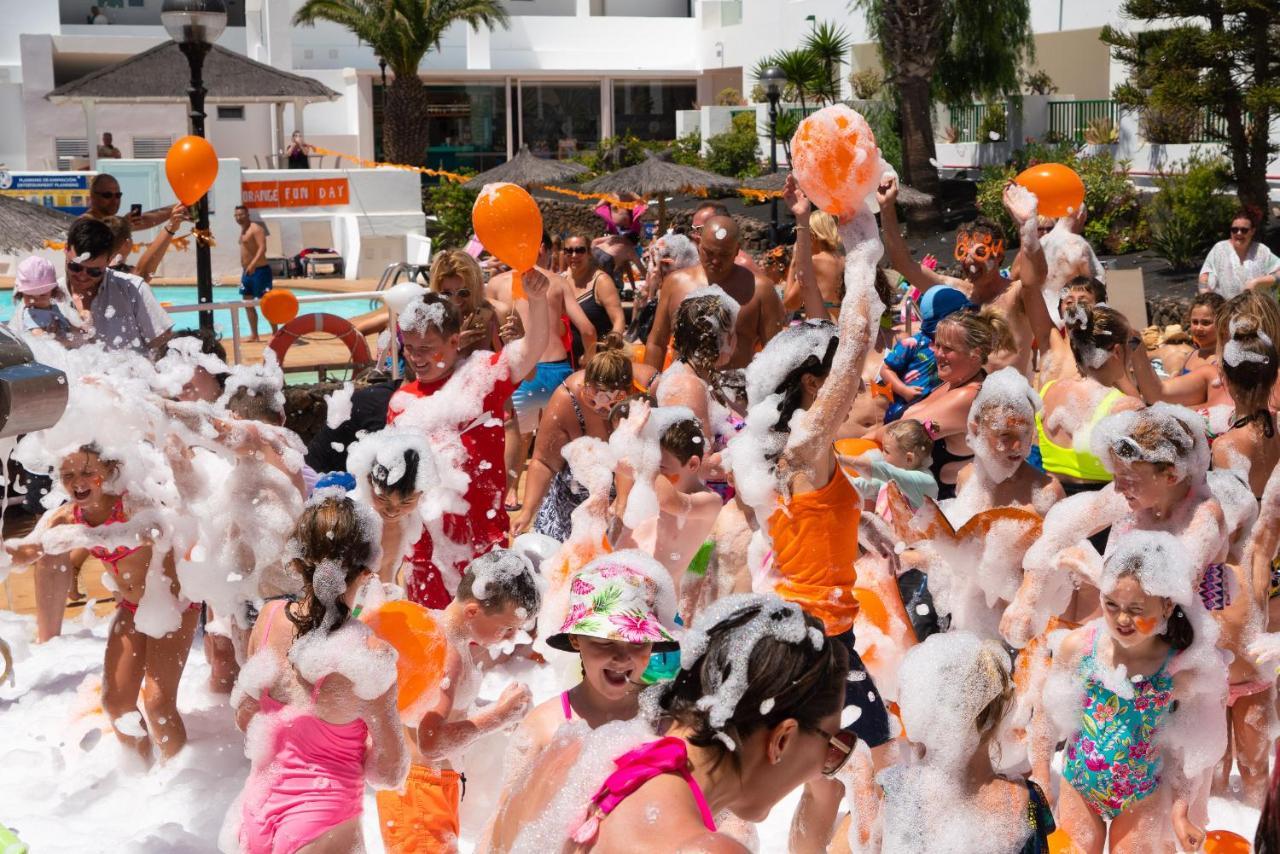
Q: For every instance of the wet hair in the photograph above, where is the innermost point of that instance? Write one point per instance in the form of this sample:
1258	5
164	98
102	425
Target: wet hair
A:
716	208
406	485
94	448
783	681
455	262
992	714
684	440
791	388
1094	330
1151	440
982	227
90	237
500	590
697	336
911	437
210	344
610	367
331	531
450	321
1250	365
1096	288
822	226
680	249
985	331
120	231
1178	633
254	407
1210	299
1256	304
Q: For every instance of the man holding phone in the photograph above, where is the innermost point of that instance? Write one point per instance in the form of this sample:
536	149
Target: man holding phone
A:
104	201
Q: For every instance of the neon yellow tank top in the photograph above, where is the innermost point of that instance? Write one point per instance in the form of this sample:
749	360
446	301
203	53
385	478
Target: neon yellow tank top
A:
1081	465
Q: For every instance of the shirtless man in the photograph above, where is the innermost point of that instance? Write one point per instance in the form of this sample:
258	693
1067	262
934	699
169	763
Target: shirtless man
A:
553	366
255	281
980	251
761	313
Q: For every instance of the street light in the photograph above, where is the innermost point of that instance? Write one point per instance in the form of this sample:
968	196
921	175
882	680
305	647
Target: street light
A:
774	79
195	25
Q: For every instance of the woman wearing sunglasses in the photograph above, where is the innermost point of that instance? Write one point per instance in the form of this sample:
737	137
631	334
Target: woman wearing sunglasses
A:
595	292
456	276
754	714
579	407
1240	262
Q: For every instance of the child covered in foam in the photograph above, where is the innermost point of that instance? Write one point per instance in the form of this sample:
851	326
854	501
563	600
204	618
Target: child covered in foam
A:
497	596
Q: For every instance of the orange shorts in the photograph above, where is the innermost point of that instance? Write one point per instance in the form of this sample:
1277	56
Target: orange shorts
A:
423	819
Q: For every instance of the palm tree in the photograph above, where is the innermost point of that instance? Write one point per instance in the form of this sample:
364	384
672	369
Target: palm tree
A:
830	44
403	32
803	71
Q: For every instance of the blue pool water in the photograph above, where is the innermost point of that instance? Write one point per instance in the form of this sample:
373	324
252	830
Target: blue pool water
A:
186	295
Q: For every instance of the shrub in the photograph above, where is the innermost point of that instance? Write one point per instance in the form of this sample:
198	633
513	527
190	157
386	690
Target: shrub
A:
687	150
450	204
866	83
994	125
1189	209
729	97
1168	125
736	151
1101	131
1039	82
1116	219
883	118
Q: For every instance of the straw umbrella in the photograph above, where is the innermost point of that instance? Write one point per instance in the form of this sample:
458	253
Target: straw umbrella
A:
529	171
657	176
25	226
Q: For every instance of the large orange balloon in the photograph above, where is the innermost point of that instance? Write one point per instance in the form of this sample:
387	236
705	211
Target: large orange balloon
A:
191	167
279	306
509	225
1058	188
413	632
836	161
1225	842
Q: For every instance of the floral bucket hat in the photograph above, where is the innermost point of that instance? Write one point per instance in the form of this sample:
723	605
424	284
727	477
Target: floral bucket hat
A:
612	601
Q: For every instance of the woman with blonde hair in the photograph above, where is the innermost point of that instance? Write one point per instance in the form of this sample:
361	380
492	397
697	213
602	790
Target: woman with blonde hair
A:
456	276
828	265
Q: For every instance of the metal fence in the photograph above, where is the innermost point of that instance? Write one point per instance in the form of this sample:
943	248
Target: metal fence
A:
1070	119
967	119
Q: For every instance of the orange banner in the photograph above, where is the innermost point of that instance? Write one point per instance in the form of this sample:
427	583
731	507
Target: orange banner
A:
311	192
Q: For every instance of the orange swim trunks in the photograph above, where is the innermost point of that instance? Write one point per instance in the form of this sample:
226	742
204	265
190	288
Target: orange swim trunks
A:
423	819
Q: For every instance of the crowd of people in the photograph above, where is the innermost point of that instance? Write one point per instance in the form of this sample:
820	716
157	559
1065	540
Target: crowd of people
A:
953	550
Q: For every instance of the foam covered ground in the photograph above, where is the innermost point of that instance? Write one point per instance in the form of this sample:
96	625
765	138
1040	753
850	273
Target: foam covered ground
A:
63	788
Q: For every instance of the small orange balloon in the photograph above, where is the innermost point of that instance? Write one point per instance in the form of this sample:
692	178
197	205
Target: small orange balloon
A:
279	306
1058	188
508	224
836	161
420	645
191	167
1060	843
1225	842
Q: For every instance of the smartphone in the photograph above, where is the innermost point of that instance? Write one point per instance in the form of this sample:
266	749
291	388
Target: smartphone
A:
135	210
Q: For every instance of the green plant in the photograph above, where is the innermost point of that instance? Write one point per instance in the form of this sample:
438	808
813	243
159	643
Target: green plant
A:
994	125
687	150
866	83
1101	131
883	119
729	97
758	94
736	151
1189	209
1039	82
1116	223
830	44
1171	125
450	203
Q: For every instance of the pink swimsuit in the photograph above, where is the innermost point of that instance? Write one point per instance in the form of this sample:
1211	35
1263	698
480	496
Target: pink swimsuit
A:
312	780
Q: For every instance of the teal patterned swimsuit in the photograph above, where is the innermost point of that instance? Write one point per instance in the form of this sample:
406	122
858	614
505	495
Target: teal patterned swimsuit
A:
1111	761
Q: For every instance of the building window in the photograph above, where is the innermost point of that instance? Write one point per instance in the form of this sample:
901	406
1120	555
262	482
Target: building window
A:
559	119
151	147
69	149
466	126
226	113
646	109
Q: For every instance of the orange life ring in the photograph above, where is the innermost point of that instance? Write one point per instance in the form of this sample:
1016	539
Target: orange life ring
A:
339	327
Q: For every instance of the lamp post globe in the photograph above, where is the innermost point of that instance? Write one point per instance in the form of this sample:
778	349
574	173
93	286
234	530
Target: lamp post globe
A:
195	21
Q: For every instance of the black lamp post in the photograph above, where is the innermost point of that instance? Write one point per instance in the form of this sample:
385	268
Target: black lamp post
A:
195	25
773	79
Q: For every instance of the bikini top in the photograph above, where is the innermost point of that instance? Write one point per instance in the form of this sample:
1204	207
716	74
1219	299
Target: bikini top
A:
565	707
108	556
1081	465
633	770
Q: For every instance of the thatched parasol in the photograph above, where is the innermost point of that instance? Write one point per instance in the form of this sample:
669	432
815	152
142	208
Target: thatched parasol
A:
25	226
908	197
529	171
658	176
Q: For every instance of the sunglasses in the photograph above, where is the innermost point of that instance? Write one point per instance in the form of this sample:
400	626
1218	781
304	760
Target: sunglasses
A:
460	293
1235	229
840	747
575	250
108	195
92	272
982	248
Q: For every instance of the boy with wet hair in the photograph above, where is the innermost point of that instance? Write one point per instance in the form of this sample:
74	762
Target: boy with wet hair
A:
497	596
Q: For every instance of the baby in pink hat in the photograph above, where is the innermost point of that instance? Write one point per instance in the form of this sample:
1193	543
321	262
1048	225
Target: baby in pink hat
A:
36	284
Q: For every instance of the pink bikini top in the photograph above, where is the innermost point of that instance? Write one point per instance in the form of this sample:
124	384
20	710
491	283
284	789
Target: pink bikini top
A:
633	770
107	556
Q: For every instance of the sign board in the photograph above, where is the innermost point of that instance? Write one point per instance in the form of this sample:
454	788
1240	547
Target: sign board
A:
306	193
66	191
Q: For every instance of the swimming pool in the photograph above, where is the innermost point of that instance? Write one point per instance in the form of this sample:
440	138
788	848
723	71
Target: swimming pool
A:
186	295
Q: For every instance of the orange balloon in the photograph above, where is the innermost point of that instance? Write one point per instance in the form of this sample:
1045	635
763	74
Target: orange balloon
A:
1225	842
836	161
279	306
191	167
1060	843
413	632
508	223
1058	188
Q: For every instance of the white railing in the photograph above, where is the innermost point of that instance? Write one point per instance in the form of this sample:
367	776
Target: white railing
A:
236	305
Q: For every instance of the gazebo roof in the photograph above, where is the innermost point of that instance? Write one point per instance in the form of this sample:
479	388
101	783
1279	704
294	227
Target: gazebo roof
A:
160	75
25	226
656	176
528	170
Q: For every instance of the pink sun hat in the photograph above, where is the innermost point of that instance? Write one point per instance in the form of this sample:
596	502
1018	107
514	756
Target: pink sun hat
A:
35	276
612	600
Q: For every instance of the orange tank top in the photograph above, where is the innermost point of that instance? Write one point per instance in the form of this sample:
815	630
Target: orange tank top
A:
815	542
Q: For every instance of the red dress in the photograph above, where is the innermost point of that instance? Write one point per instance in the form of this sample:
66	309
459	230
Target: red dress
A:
485	524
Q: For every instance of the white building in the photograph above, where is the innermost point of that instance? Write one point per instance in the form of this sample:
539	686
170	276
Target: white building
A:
562	76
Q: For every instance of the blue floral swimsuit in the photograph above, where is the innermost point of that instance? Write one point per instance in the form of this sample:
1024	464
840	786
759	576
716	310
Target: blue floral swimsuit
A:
1111	761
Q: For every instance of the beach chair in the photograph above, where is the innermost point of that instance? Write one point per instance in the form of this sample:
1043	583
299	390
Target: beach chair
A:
276	259
319	234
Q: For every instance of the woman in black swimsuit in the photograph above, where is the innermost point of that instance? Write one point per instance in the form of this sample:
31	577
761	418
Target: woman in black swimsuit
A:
595	292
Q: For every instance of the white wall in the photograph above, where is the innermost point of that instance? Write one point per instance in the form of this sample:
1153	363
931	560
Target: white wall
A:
540	7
